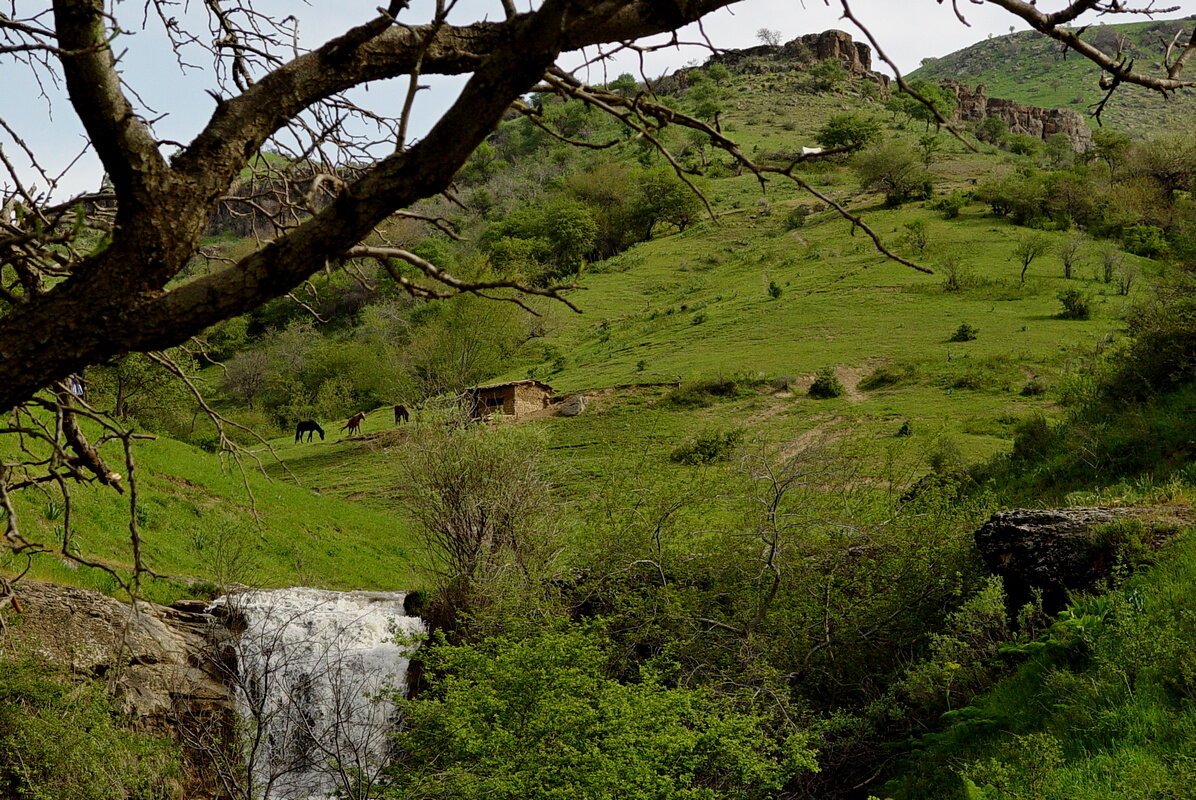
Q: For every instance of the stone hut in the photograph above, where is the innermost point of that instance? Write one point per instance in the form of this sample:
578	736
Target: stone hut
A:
511	399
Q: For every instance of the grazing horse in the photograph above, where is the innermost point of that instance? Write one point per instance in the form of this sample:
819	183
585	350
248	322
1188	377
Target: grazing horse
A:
354	422
401	414
308	426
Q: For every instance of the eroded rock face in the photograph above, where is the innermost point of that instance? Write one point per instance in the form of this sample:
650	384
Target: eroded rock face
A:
154	659
975	106
802	52
1057	551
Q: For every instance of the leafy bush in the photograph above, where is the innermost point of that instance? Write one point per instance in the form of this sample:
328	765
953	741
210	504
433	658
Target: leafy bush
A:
966	332
796	217
1034	387
917	235
1076	304
951	204
890	374
708	447
539	718
826	385
892	168
1144	240
701	393
848	130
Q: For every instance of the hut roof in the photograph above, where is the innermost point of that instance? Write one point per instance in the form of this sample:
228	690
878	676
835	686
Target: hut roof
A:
529	382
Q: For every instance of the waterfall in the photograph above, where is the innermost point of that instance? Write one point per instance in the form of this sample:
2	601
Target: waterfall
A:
311	670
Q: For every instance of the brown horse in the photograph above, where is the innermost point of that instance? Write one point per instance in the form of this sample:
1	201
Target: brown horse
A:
401	414
354	422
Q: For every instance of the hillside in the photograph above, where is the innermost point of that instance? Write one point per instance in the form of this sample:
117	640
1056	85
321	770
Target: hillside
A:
207	522
747	568
1032	69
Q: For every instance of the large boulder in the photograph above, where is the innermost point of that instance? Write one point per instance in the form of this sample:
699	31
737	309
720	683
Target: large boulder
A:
573	405
1058	551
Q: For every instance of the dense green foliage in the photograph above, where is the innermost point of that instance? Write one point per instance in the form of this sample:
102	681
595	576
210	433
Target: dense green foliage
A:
539	717
1102	708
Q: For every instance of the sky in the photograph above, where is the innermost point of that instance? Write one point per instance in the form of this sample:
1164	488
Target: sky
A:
908	30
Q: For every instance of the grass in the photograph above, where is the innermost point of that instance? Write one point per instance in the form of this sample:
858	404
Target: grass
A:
693	307
199	524
1101	708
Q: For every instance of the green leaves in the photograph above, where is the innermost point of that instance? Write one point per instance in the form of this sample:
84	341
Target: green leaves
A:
536	718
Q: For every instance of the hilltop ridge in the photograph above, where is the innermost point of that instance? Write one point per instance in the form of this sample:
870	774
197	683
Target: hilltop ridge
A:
1030	68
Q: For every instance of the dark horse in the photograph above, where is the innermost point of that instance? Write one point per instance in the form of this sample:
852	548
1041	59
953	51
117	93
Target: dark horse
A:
401	414
309	427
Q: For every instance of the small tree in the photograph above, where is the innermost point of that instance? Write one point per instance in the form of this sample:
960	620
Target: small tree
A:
892	168
917	235
1076	305
769	36
1028	248
848	130
1070	252
826	385
929	146
1110	262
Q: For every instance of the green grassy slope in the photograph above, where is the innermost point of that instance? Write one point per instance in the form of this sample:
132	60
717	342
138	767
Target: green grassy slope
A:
1030	68
695	306
198	522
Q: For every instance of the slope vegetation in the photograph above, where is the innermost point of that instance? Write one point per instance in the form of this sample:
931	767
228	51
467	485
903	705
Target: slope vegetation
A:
1032	69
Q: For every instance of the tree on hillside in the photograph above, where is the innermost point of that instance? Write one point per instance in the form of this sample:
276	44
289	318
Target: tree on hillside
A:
893	168
88	279
769	36
1028	248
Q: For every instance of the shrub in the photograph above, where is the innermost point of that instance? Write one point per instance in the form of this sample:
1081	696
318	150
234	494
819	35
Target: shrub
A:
699	394
1110	263
906	429
774	291
848	130
60	741
889	375
950	205
708	447
1076	304
826	385
892	168
1032	438
1034	387
917	235
964	333
796	218
1144	240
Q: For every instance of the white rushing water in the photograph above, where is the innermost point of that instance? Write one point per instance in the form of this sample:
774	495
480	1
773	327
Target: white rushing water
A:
314	670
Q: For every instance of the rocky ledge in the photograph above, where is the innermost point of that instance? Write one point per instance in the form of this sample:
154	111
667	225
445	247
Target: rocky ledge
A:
1042	123
1055	552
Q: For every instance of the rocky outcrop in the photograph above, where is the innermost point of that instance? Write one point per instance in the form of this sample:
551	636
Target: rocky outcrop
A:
155	659
1058	551
856	57
802	52
974	105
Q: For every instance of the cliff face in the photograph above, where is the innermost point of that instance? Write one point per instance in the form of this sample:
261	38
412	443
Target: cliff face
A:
975	106
806	50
